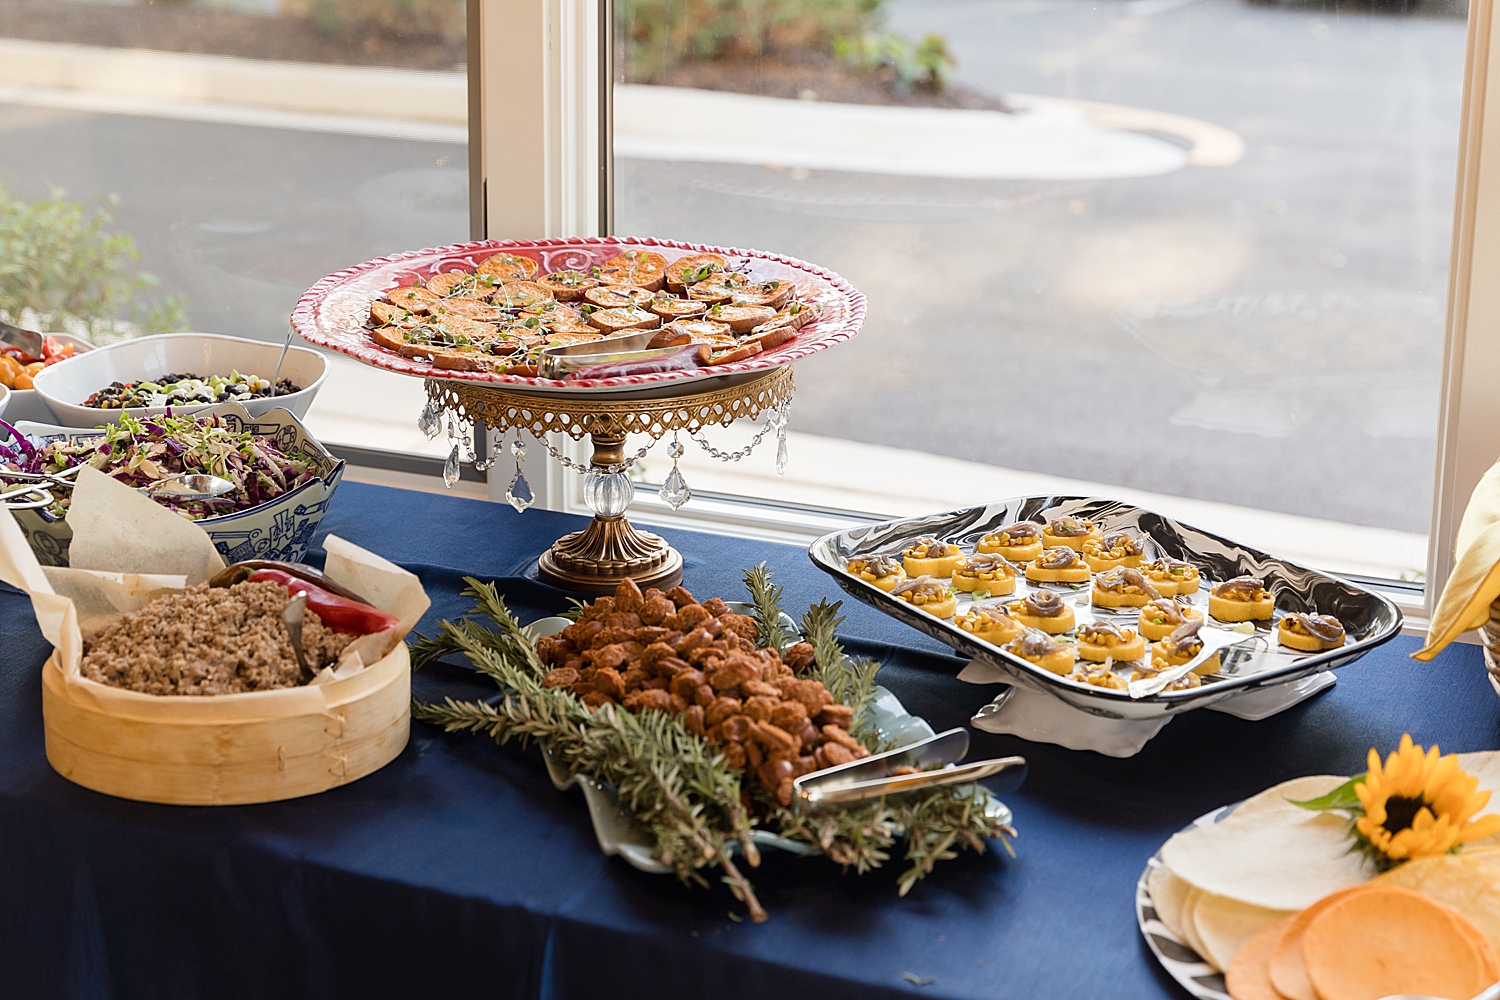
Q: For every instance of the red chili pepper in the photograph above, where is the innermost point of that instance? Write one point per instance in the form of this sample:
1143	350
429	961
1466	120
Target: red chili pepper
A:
53	350
338	613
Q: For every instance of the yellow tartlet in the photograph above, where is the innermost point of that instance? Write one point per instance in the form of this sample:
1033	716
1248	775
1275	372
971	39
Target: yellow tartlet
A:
1122	587
1242	599
1020	542
1058	565
986	572
1310	633
1173	577
1070	531
881	571
1181	646
928	594
1043	610
1114	550
1161	618
992	625
1100	641
1043	650
928	557
1095	676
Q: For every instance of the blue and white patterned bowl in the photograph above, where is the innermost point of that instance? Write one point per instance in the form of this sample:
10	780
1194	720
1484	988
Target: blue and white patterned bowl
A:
281	529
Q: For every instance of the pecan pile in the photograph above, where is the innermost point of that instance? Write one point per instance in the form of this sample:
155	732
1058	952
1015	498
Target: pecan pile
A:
699	660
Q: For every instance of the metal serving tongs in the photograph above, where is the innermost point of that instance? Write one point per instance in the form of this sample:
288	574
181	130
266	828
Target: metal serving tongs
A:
936	759
184	487
1214	639
27	340
555	362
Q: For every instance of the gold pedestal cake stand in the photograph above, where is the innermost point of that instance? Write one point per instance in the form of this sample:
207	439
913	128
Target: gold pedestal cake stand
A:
611	549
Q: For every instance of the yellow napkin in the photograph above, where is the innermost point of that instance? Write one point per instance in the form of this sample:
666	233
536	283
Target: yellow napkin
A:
1475	582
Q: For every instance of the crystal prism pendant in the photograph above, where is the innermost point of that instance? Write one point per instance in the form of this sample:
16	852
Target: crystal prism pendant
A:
519	494
450	468
467	443
429	423
781	451
674	492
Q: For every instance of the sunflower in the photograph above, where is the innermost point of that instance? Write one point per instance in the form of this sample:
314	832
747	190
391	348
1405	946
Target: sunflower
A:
1420	804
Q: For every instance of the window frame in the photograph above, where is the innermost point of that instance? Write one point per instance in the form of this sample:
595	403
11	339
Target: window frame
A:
552	60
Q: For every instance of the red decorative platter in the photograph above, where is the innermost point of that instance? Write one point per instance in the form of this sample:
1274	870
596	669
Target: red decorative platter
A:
333	313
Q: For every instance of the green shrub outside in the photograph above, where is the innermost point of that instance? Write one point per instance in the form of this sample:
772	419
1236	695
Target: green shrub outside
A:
413	19
63	268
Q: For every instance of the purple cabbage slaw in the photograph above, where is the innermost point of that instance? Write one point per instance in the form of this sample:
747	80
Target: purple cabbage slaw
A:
140	451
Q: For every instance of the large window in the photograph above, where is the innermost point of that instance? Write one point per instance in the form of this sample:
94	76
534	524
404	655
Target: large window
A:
1193	254
249	148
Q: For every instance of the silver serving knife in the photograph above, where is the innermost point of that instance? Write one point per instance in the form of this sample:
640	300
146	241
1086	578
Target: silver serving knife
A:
1214	639
870	778
27	340
554	362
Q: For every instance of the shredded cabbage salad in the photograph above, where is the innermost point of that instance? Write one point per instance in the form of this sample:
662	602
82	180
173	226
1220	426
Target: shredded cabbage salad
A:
138	452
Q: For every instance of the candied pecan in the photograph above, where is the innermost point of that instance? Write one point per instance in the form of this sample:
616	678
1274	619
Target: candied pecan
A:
586	672
806	764
752	688
691	641
776	739
553	649
754	755
716	606
656	610
628	595
611	635
629	621
655	653
657	683
737	643
760	707
603	607
686	683
773	772
733	672
633	649
790	715
784	792
577	665
721	709
704	695
635	678
800	657
560	677
594	699
671	667
693	718
691	616
832	755
648	634
741	625
836	735
679	705
679	596
737	728
583	687
734	755
811	738
613	655
639	701
836	715
704	657
812	694
608	681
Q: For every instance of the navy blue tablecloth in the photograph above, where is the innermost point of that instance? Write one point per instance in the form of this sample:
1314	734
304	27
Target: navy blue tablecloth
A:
459	871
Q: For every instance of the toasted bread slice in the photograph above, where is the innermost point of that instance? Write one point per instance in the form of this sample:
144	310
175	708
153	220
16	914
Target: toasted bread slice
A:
739	352
509	267
385	314
669	307
520	295
392	338
719	287
741	319
567	286
693	268
457	284
776	293
629	318
617	296
702	331
796	316
472	361
559	338
668	337
771	339
641	268
474	309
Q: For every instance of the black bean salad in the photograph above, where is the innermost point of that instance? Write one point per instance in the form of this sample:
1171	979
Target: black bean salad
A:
178	390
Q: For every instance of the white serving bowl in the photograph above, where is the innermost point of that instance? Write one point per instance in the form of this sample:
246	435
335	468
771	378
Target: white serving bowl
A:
4	399
65	385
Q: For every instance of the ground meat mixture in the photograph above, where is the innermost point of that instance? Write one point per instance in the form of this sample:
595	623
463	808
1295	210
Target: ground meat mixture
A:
221	640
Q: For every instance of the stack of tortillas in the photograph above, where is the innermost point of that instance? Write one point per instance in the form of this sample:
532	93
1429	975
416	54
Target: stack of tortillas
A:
1260	896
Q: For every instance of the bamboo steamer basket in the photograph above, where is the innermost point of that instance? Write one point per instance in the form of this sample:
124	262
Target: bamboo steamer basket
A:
227	749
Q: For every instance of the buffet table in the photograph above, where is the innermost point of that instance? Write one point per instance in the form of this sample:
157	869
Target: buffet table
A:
459	870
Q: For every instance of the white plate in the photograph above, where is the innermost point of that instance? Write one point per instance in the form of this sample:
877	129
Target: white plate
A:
65	385
1175	955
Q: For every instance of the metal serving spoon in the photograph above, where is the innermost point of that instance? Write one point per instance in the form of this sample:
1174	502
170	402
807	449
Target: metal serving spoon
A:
291	616
185	486
188	486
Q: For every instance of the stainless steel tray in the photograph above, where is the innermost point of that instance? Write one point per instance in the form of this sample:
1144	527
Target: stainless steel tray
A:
1369	619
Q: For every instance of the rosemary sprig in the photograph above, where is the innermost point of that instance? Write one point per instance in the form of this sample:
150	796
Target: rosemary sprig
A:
765	597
